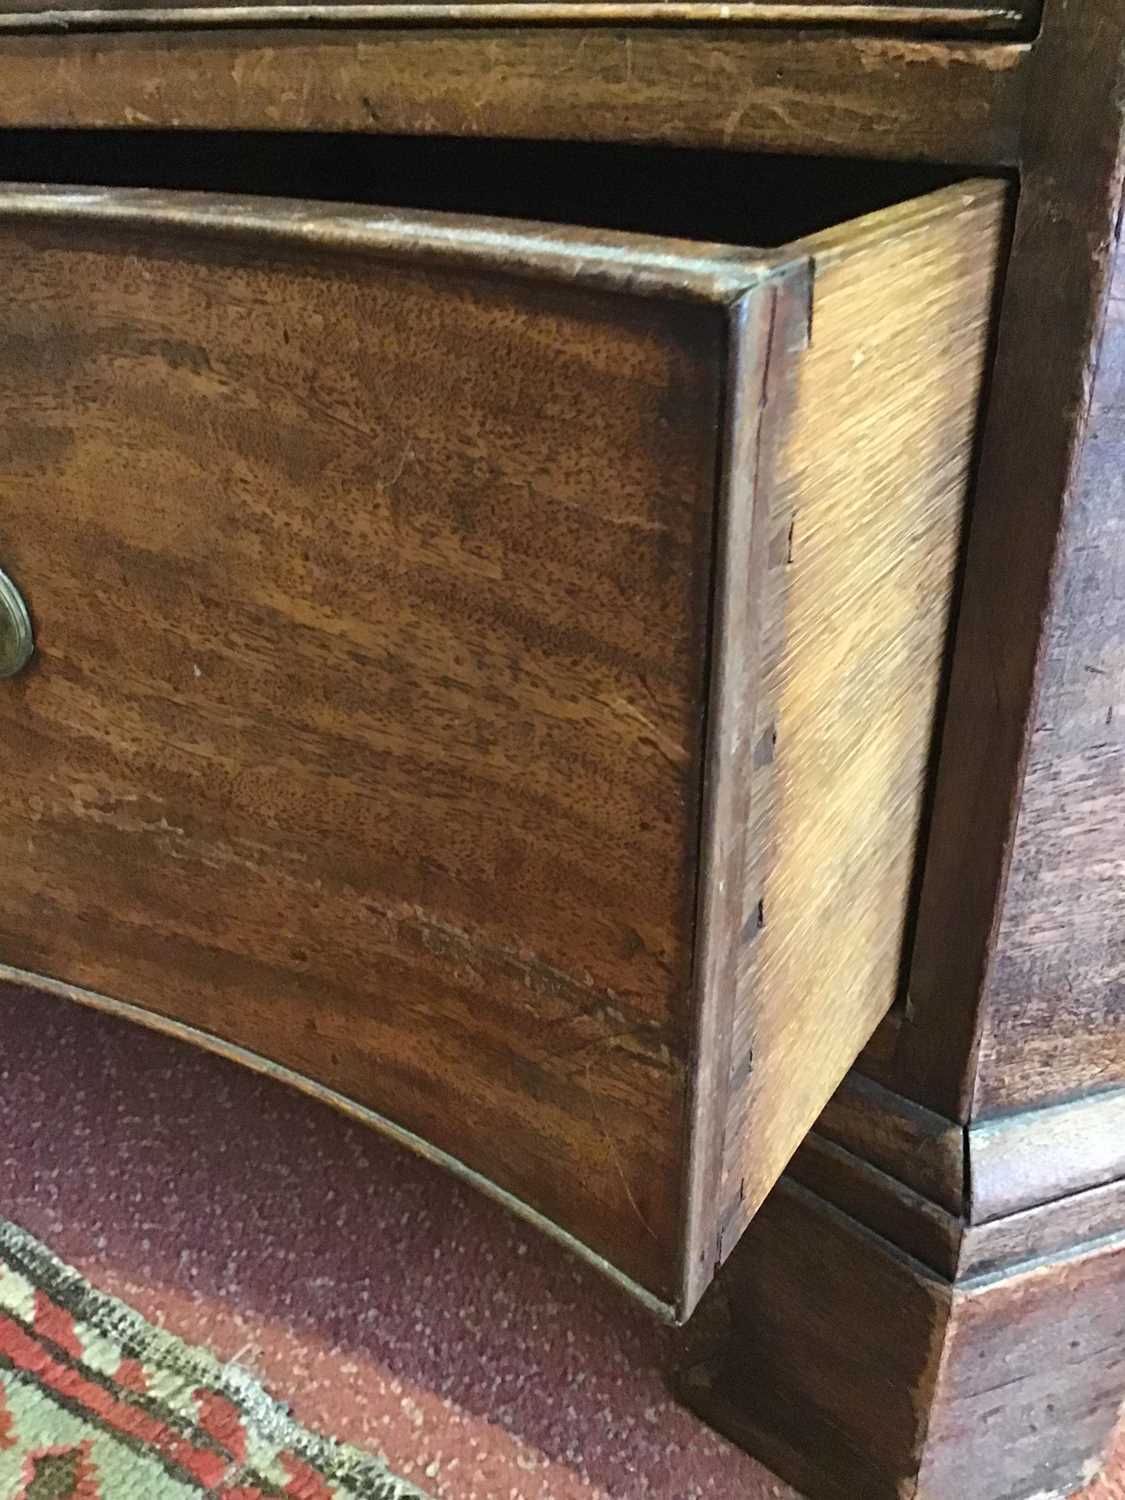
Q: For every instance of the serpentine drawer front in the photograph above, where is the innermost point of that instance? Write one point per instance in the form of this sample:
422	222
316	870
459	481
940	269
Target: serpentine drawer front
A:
486	670
948	17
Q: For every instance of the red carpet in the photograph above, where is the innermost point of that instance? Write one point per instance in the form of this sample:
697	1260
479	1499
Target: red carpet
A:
395	1309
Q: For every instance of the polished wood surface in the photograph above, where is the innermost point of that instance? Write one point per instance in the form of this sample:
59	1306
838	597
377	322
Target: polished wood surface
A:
1001	1416
888	98
968	1199
1034	1183
760	382
362	694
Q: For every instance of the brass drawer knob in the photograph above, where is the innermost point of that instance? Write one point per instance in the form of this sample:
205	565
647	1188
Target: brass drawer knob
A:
17	643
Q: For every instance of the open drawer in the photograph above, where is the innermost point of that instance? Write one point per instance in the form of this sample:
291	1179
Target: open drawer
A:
486	671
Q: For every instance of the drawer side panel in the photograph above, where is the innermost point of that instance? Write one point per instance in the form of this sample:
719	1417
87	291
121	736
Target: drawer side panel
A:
866	515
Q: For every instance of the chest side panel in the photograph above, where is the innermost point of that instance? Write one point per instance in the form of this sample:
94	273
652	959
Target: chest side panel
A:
1054	1013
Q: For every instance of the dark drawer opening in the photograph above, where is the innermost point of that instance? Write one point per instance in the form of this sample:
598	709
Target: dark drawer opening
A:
724	196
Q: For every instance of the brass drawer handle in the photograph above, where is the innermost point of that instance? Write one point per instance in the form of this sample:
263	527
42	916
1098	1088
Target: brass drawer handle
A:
17	643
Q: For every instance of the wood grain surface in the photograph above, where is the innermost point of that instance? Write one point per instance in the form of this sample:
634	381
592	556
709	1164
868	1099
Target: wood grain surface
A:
854	1370
866	516
771	330
363	691
1047	1231
917	1147
1029	1389
837	95
1040	978
906	1218
1054	1022
970	1202
835	1347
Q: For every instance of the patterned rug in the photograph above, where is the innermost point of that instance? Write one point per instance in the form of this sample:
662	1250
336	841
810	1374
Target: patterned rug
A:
97	1404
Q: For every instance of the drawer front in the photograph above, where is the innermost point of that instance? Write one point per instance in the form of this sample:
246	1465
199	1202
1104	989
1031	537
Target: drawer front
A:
983	17
364	728
479	668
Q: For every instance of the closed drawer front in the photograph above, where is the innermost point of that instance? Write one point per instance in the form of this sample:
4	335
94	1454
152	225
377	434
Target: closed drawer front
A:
948	17
487	669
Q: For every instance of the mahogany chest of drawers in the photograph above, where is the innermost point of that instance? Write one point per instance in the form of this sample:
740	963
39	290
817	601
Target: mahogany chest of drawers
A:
532	536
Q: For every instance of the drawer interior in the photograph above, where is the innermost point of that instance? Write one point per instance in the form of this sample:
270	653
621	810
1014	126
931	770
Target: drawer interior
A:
724	196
